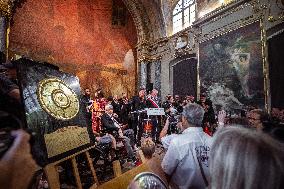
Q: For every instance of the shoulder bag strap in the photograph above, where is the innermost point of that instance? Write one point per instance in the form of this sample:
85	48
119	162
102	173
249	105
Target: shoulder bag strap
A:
202	173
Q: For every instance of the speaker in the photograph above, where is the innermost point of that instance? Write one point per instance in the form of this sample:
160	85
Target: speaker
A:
149	87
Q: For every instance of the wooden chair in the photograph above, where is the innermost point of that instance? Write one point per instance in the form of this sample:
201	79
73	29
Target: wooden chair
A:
53	175
120	180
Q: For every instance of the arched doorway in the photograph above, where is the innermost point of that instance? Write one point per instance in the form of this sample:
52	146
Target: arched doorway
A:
184	75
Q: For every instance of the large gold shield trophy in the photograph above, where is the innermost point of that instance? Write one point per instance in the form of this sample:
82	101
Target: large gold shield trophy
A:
53	111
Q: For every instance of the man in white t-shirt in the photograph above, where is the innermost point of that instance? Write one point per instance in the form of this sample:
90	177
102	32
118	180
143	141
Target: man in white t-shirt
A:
186	160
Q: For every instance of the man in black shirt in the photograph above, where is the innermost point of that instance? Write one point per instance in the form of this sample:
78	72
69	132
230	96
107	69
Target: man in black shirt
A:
86	99
154	102
138	103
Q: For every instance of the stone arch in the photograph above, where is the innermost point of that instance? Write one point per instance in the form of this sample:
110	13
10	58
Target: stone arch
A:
140	20
148	29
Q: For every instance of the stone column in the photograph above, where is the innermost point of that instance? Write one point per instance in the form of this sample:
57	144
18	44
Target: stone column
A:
3	34
157	82
6	11
143	74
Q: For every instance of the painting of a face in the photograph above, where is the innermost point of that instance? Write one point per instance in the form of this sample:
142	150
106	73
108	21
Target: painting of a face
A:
231	69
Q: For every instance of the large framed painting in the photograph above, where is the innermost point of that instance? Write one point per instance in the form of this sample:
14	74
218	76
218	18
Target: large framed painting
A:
54	111
231	69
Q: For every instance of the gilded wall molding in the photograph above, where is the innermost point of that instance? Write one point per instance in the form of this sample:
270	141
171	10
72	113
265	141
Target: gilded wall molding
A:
6	8
158	43
184	43
217	13
279	17
278	5
148	58
228	28
229	9
267	96
258	11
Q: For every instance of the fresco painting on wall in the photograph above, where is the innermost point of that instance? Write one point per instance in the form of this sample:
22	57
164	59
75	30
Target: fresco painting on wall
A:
113	81
231	69
80	38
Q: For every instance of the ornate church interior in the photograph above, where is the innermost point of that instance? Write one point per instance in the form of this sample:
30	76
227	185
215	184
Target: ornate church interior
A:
141	94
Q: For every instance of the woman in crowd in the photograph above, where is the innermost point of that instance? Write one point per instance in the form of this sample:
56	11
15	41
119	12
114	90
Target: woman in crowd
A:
247	159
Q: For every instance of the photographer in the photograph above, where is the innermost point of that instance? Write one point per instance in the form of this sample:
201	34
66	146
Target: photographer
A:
17	165
170	130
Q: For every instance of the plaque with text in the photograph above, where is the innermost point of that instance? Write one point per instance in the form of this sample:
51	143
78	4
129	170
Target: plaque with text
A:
155	111
53	111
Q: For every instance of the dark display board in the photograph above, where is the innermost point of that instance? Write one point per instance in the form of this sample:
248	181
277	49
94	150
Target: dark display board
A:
53	111
231	69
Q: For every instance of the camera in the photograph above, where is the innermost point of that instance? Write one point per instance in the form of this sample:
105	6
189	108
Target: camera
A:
174	117
8	123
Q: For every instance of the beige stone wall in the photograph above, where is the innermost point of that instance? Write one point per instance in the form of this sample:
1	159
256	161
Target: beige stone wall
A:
221	20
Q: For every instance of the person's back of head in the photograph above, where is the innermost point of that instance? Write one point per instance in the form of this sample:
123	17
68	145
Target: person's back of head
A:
193	113
148	148
247	159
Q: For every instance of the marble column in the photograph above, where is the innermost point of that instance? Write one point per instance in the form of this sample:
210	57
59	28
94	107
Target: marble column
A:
143	74
3	34
157	82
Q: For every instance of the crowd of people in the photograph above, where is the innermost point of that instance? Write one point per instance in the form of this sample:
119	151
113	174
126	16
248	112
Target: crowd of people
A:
203	148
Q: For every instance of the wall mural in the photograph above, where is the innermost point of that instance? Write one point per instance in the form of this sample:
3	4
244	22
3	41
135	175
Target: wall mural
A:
80	38
231	69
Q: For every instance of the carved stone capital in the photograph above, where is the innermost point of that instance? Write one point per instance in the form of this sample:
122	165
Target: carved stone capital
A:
148	58
144	58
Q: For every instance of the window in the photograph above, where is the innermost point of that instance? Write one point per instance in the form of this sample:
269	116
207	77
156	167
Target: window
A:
183	15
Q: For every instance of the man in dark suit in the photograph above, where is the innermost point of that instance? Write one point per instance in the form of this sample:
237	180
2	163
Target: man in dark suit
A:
154	102
111	126
86	100
138	103
107	119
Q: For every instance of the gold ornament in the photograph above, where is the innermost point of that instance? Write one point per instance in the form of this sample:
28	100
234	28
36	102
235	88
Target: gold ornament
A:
57	99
